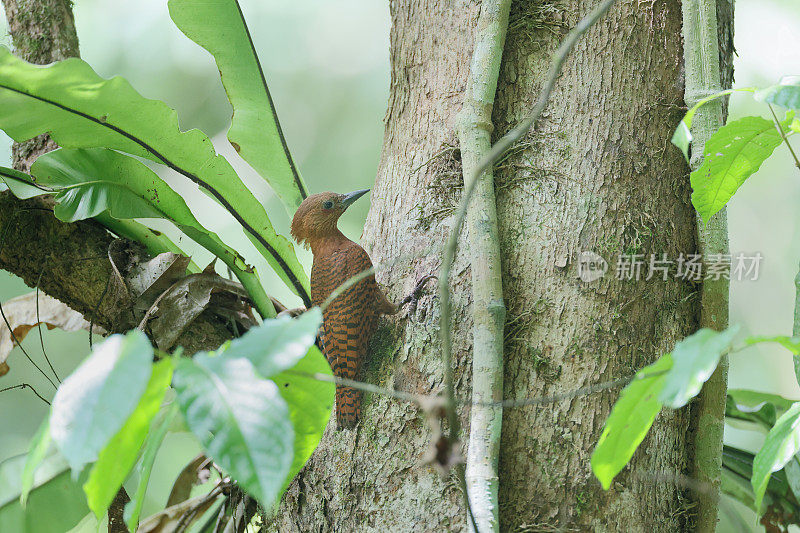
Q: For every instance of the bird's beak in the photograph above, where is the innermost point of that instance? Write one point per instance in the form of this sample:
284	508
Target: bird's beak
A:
348	199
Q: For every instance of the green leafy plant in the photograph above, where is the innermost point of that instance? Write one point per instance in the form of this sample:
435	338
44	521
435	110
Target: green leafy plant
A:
738	148
81	110
254	404
672	381
769	481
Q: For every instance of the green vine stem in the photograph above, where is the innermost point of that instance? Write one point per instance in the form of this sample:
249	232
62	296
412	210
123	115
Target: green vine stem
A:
485	163
474	127
796	324
701	57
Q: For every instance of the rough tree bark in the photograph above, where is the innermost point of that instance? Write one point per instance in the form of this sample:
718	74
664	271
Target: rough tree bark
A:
598	174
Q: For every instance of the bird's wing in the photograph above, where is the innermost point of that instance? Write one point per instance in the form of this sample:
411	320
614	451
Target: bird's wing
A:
351	318
349	322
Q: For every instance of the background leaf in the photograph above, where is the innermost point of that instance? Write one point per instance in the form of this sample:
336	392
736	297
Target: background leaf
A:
694	360
737	470
145	466
255	131
781	444
119	456
37	451
55	504
240	419
753	406
92	404
785	94
731	156
629	421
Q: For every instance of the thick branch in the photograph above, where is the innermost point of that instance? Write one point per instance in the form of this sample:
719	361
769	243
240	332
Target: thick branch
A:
75	267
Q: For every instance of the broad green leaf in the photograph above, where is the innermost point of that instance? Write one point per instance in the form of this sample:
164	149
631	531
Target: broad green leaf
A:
92	404
629	421
682	137
255	131
785	94
240	419
731	156
36	454
55	503
694	360
19	184
310	404
737	470
279	343
145	466
286	345
90	182
781	444
753	406
82	110
119	456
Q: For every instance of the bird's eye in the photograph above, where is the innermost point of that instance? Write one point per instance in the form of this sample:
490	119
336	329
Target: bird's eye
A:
328	204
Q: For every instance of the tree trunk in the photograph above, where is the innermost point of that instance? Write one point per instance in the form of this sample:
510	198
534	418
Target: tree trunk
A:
599	175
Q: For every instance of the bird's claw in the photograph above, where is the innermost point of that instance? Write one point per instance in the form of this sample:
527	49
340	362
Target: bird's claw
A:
413	298
293	313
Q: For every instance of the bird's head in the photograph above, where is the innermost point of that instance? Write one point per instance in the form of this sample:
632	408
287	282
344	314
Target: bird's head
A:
318	214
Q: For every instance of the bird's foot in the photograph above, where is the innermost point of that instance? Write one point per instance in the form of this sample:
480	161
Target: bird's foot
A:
415	295
295	312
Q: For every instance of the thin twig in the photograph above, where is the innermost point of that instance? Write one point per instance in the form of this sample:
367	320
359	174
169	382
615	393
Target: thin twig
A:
185	520
424	399
21	347
497	150
39	322
25	386
783	136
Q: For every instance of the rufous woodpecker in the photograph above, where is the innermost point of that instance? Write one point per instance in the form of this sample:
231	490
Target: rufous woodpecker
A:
352	317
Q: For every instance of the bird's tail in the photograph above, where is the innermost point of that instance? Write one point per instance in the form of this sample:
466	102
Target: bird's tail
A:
348	407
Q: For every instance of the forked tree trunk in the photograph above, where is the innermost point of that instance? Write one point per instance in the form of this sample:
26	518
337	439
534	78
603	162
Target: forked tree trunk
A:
598	174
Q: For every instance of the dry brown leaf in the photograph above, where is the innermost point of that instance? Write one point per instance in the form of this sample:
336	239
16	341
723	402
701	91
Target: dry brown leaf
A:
183	302
21	315
149	279
194	473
